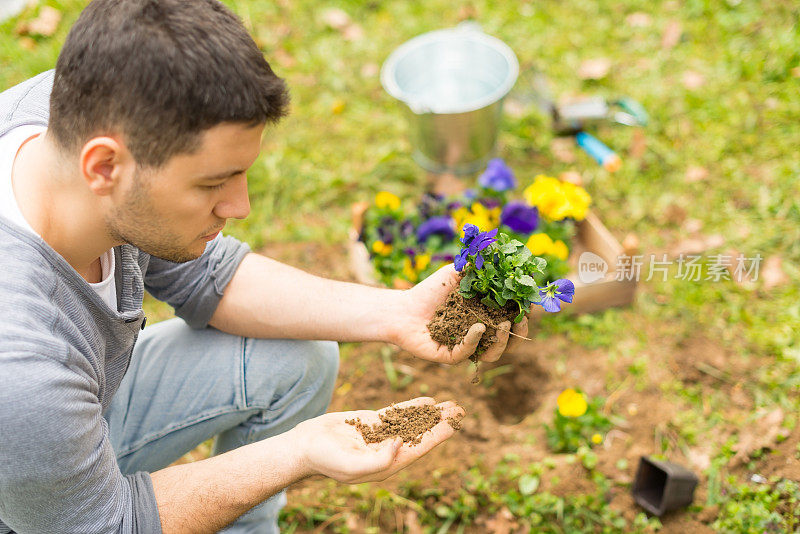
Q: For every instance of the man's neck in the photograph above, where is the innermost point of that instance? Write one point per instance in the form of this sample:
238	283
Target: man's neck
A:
59	209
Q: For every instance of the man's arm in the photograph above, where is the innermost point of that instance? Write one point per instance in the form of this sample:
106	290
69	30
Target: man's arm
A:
268	299
205	496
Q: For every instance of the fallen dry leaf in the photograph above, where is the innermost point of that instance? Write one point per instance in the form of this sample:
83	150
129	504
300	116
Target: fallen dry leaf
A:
412	522
695	173
630	244
638	144
46	23
336	18
502	522
772	273
370	70
564	149
284	58
353	32
699	458
742	278
638	20
594	69
761	434
697	245
467	12
675	214
692	226
340	21
693	80
672	34
27	43
514	108
572	177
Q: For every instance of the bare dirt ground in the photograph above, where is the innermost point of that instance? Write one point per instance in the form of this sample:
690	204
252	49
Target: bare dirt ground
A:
505	413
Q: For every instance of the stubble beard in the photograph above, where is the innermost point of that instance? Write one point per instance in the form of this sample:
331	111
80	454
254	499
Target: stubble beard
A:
134	222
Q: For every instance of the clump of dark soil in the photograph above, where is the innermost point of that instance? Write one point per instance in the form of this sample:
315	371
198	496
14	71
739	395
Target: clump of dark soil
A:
451	321
407	423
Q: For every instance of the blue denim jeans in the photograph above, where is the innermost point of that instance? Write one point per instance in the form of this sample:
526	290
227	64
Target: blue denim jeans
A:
185	386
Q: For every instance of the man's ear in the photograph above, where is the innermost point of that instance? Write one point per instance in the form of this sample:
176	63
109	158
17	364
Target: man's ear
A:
104	161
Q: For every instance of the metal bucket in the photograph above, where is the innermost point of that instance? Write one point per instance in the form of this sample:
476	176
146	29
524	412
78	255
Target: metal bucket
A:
453	82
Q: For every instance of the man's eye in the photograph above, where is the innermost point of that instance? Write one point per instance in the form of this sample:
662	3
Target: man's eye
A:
214	187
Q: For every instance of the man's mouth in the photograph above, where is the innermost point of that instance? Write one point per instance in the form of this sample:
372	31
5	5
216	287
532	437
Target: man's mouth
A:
213	234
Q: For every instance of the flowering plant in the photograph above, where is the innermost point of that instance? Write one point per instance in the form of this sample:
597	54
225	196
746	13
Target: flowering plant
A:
501	269
409	242
577	422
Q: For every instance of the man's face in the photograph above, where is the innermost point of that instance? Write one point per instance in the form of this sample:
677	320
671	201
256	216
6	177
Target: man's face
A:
172	212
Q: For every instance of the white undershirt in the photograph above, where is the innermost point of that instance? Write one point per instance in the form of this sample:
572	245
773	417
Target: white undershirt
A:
10	144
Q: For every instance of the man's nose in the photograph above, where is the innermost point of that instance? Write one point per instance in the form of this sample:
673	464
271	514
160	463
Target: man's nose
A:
236	203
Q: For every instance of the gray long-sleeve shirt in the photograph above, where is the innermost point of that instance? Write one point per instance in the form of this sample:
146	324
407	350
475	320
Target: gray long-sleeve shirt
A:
63	353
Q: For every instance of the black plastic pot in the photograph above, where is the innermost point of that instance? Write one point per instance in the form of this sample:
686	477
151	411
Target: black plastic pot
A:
663	486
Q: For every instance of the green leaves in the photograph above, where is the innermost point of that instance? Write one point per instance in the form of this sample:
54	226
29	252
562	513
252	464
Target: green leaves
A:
526	280
507	275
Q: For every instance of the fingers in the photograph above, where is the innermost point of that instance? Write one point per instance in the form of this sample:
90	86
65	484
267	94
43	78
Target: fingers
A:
372	458
451	409
494	352
407	454
464	350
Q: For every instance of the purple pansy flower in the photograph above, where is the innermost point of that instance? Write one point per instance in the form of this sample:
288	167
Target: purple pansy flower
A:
489	203
561	289
443	257
497	176
470	231
436	225
473	242
520	217
406	229
429	204
385	234
410	252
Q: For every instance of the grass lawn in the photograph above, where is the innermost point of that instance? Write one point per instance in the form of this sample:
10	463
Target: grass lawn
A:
705	373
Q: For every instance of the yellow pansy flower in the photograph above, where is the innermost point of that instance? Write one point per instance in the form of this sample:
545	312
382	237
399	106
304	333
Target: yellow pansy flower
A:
545	193
540	244
379	247
597	439
571	403
408	270
559	250
422	261
385	199
557	200
578	200
477	214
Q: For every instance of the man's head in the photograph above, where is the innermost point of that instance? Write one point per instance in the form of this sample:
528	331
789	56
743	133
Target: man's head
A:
158	97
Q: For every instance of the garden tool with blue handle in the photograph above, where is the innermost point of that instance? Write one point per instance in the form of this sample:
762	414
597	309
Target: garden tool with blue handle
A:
573	117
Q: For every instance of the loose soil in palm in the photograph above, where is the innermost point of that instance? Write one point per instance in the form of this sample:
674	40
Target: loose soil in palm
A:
451	321
410	424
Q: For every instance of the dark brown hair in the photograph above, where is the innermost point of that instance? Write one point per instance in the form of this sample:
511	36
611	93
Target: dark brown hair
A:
159	72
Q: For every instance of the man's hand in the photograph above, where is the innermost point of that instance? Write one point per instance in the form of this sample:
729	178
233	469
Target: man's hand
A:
411	326
331	447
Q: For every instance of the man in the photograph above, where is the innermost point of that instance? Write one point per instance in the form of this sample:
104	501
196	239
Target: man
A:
119	171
